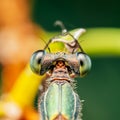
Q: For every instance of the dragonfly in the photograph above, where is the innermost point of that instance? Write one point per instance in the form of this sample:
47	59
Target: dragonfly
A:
59	101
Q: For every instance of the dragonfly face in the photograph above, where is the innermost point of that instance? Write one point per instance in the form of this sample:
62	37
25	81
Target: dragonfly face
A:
59	101
78	63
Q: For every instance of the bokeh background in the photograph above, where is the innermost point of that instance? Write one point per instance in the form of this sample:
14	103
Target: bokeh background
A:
77	13
100	89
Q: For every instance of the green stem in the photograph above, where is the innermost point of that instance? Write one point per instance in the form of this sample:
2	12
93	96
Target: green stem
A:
102	41
99	41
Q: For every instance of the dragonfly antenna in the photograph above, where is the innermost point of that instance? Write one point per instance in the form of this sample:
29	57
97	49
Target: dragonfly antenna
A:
60	24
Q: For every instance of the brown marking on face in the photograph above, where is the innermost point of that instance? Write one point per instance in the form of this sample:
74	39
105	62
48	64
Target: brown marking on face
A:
60	64
60	117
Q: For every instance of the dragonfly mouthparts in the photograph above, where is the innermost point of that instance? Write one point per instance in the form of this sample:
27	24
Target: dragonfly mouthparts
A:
60	72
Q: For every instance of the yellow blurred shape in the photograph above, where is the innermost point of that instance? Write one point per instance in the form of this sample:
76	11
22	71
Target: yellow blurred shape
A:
25	88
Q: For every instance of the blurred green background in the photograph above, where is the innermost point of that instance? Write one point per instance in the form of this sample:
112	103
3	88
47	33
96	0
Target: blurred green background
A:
100	89
77	13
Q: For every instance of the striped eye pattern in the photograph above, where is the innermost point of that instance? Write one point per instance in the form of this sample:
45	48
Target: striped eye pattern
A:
84	62
35	61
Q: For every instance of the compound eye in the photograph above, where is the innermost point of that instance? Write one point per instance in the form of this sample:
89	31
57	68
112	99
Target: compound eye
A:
35	61
84	62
